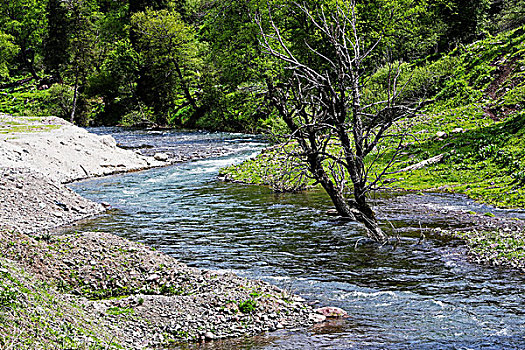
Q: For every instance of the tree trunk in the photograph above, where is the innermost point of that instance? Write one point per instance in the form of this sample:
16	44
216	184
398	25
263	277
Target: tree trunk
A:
366	215
338	199
198	111
75	99
28	63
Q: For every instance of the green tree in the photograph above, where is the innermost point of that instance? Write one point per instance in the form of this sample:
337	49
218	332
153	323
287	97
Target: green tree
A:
142	5
170	65
234	89
8	51
463	20
56	41
82	14
24	21
115	81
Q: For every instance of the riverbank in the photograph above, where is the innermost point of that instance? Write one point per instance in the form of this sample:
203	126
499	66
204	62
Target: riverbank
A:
97	290
491	239
63	152
141	298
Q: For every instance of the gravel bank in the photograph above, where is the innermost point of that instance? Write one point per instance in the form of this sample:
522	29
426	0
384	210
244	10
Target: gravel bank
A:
63	152
30	202
148	299
38	155
97	290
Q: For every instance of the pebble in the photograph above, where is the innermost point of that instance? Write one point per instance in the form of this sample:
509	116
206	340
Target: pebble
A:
331	311
163	157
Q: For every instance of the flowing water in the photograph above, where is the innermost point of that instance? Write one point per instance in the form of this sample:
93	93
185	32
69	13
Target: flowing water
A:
423	294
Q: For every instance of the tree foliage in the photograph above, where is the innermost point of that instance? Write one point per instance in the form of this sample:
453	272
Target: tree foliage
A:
170	63
116	55
24	21
8	51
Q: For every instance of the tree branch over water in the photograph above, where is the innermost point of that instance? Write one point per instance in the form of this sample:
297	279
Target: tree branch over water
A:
337	121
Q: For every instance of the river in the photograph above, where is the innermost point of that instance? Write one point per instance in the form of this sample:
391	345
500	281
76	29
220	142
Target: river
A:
420	294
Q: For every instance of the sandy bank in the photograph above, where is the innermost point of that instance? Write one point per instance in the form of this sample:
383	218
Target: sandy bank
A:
63	152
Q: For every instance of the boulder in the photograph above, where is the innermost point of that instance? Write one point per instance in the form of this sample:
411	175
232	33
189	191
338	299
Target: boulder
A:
162	157
317	318
331	311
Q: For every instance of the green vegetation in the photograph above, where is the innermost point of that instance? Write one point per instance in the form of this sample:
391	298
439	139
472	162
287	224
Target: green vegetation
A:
499	248
24	125
479	91
33	316
474	126
116	311
195	63
247	306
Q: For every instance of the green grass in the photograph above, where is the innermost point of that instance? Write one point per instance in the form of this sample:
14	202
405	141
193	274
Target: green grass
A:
33	316
24	100
12	125
116	311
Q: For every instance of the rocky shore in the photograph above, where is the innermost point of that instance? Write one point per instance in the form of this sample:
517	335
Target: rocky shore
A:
97	290
30	202
146	298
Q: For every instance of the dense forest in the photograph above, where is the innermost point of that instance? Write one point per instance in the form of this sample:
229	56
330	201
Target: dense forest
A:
200	63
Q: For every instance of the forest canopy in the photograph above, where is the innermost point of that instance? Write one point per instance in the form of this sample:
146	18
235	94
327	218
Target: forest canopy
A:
199	63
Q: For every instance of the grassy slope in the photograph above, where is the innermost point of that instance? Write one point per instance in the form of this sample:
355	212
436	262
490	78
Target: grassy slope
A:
485	97
25	99
34	316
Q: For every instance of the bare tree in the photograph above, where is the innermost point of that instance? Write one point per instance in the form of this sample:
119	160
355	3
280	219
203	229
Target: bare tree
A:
338	132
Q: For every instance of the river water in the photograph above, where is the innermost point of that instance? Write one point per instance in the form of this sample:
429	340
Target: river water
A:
422	294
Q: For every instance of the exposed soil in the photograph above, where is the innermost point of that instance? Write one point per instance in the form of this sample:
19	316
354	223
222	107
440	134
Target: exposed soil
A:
63	152
503	72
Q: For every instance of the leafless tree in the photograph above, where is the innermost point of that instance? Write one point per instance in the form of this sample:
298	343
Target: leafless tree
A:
338	131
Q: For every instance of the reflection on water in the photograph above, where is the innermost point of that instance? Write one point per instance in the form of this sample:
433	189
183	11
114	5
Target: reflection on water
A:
421	295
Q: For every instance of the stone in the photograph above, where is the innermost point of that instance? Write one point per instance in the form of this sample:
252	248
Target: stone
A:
153	277
209	336
441	135
162	157
108	140
331	311
317	318
458	131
